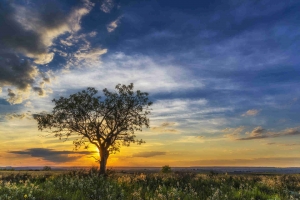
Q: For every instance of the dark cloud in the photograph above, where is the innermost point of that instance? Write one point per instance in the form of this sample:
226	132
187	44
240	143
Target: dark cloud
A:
14	36
149	154
26	38
16	72
52	155
39	90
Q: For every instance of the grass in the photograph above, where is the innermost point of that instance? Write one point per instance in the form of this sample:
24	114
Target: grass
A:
157	186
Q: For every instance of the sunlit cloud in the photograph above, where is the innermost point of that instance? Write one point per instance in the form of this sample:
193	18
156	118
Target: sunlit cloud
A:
18	116
260	161
149	154
260	133
252	112
166	127
188	139
233	133
31	33
215	89
113	25
144	72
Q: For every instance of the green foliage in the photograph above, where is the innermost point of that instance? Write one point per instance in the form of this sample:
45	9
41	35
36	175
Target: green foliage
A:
166	169
46	168
106	123
186	186
7	169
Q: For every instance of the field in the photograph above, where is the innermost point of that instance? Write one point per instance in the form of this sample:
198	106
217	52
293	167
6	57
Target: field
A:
86	184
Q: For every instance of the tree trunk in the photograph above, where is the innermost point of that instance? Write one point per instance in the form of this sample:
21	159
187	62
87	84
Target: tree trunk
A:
103	160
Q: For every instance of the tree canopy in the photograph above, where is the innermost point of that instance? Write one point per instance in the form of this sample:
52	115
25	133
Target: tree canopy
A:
107	122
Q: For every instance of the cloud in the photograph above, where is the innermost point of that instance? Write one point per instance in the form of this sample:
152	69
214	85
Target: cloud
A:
252	112
13	116
146	74
166	127
28	104
201	137
28	34
177	106
85	55
256	132
52	155
16	72
283	144
196	139
107	6
14	98
260	133
149	154
113	25
261	161
90	54
233	133
31	32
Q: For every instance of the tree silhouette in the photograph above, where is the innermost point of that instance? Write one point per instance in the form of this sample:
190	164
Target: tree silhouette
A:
106	123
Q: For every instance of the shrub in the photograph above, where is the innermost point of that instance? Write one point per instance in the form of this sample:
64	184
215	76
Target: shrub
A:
46	168
166	169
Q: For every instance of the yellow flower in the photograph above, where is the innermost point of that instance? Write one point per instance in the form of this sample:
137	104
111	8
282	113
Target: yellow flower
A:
25	196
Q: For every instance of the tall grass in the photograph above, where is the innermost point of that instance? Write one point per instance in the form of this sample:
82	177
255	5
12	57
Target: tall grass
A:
156	186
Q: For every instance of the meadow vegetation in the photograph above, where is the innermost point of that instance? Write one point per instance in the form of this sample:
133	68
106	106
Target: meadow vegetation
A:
87	184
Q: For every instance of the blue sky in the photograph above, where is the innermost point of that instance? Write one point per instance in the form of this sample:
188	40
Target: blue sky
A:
223	76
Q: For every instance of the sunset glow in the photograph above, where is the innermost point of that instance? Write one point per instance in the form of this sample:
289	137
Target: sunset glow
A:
223	77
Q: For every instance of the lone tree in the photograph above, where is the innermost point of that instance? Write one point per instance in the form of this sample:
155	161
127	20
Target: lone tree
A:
106	122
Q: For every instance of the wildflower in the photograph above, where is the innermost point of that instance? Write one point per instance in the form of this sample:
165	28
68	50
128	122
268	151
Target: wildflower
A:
25	196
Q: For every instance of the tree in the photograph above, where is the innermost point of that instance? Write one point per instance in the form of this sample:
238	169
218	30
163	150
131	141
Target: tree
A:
46	168
166	169
106	123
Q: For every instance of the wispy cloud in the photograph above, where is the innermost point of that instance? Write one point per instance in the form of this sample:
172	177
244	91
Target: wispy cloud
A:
192	139
166	127
258	161
148	154
107	6
283	144
83	55
90	54
113	25
260	133
233	133
143	71
252	112
13	116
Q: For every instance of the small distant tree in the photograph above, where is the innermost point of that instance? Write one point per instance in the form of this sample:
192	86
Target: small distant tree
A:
46	168
166	169
106	123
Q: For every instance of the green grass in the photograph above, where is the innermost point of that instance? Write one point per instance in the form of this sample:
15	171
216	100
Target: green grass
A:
156	186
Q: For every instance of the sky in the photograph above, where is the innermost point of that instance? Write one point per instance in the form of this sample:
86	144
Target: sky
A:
223	76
